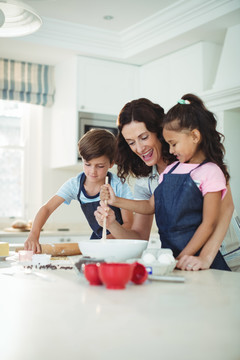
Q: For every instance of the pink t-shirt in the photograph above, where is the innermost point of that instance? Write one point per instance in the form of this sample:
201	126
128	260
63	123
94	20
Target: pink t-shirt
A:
208	177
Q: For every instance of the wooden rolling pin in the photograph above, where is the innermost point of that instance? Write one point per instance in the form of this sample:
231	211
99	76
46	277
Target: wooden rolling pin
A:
58	249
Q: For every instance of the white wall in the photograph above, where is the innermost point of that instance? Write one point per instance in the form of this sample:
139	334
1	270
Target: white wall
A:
64	111
228	74
33	173
232	133
192	69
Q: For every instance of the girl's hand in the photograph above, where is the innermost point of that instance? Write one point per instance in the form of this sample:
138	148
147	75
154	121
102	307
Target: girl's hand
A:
192	263
32	243
102	211
107	194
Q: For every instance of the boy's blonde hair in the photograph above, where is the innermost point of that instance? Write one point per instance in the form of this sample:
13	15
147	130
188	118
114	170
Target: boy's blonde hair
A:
96	143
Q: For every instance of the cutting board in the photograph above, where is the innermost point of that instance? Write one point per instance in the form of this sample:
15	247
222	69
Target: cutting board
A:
11	229
59	249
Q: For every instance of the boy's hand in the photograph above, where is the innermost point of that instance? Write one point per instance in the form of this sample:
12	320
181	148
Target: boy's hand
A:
107	194
32	244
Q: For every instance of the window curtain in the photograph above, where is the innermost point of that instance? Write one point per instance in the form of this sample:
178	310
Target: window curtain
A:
30	83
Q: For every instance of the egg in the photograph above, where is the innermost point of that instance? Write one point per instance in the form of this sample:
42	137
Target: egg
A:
165	259
148	258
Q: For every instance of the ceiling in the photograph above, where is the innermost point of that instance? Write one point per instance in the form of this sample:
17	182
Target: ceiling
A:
91	12
140	31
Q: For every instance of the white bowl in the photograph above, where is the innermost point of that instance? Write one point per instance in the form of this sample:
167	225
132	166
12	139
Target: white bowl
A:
113	249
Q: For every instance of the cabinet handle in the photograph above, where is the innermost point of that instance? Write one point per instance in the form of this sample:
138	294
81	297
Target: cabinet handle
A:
61	240
68	240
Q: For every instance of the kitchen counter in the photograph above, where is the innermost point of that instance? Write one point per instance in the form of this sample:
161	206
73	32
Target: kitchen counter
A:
60	316
43	233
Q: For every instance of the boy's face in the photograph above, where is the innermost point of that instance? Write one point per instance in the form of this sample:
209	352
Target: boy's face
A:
96	169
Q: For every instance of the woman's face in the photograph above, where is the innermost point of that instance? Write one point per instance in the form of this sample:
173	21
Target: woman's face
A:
142	142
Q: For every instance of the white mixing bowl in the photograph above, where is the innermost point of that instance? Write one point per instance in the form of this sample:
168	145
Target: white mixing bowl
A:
113	249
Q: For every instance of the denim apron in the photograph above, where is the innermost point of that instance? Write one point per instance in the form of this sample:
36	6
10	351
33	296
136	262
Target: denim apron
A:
178	212
89	208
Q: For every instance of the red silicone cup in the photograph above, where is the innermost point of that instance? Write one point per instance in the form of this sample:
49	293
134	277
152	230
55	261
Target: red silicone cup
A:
139	274
91	274
115	275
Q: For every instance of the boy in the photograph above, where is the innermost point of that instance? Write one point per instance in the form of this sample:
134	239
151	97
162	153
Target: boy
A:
96	148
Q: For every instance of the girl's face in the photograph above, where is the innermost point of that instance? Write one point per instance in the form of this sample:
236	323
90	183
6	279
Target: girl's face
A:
184	145
142	142
96	169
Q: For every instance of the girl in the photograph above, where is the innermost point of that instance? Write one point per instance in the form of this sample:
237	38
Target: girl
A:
188	198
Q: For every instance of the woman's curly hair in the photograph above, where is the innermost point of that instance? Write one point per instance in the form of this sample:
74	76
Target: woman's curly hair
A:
194	115
141	110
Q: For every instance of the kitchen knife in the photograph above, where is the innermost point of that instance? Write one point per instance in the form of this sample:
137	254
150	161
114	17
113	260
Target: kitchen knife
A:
170	278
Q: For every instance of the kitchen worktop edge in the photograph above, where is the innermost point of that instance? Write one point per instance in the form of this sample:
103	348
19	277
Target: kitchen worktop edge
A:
43	233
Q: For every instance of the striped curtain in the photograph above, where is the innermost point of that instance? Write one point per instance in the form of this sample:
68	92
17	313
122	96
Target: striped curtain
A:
30	83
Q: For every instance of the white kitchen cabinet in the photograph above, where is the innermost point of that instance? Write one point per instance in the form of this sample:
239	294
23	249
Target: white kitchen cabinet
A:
105	86
64	124
45	238
89	85
61	239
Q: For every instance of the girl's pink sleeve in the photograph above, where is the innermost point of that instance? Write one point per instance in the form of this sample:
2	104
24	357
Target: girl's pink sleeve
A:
213	179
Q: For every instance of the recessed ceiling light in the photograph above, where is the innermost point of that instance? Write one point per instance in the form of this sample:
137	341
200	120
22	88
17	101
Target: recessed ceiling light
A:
108	17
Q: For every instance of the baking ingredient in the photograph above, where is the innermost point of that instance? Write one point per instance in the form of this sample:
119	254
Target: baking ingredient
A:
4	249
166	259
41	259
148	258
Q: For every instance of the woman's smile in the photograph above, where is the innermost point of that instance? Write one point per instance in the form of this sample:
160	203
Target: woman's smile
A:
142	142
147	156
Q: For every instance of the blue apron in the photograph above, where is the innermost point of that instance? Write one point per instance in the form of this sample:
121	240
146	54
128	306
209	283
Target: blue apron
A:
89	208
178	212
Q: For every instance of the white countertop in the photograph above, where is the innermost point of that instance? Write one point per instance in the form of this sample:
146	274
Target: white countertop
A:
63	317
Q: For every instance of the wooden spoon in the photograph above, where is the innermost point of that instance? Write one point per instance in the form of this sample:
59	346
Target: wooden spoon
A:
104	231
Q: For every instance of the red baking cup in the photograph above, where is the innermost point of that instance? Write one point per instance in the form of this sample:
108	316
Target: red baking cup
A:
140	273
115	275
91	274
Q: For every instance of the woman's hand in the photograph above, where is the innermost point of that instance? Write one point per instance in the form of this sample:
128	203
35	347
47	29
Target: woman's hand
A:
102	211
107	194
32	243
192	263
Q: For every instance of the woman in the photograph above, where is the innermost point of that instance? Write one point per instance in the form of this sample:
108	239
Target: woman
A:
143	153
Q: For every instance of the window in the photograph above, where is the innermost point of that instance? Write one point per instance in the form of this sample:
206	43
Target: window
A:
12	154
